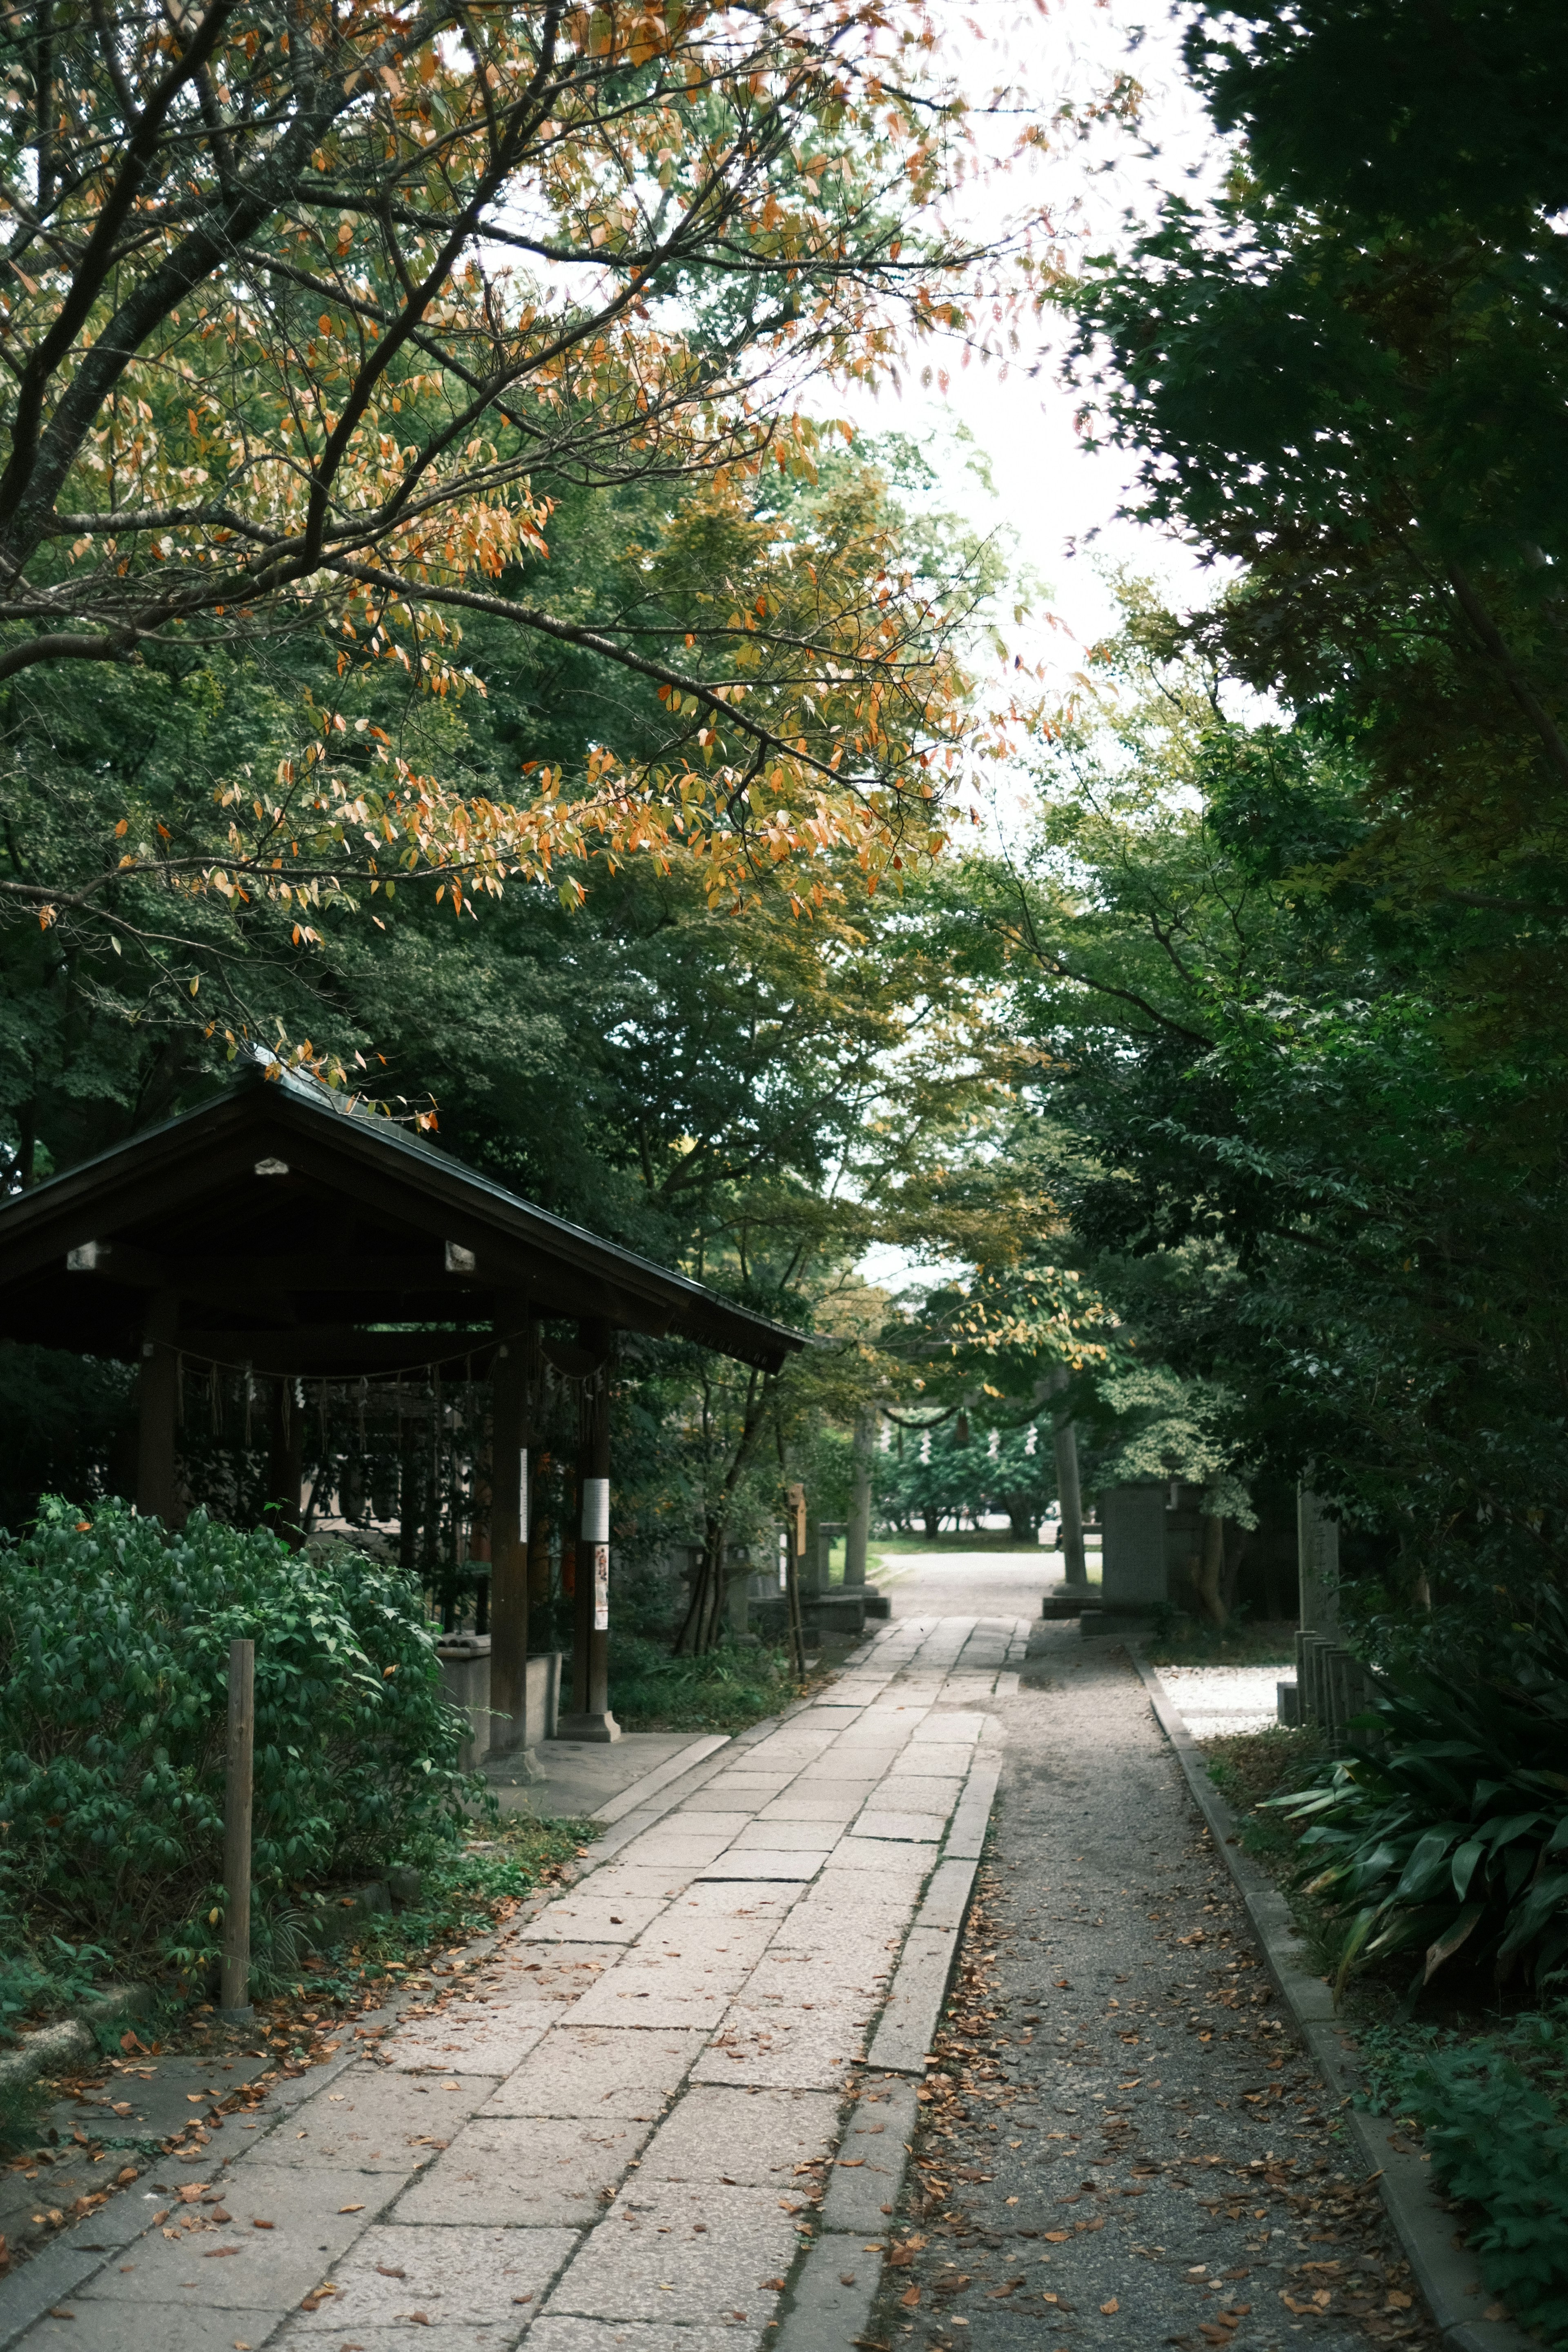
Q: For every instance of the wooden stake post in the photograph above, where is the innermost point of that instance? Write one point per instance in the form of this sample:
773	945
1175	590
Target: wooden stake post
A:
235	1999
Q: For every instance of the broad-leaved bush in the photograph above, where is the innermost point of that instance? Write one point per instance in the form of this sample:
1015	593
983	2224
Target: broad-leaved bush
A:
114	1641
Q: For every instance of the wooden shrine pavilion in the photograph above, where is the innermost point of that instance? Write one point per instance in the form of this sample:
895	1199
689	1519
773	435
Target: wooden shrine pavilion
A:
279	1229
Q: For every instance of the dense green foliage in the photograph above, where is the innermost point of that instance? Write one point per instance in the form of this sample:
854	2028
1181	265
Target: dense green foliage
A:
724	1690
1446	1827
114	1707
960	1471
1494	2113
1282	939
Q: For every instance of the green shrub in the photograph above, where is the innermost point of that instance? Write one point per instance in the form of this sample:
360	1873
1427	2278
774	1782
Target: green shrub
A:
1495	2116
114	1637
723	1691
1446	1827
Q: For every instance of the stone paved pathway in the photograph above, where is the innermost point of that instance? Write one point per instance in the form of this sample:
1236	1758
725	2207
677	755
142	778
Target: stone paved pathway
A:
1123	2146
616	2133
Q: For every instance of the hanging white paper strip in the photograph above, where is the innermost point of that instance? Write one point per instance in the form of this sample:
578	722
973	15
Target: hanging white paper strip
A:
597	1510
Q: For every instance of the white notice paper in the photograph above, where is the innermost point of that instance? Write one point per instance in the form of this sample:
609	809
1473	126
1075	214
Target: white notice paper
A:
601	1588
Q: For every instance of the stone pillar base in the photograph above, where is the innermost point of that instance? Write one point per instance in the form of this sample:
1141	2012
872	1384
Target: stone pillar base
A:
521	1767
603	1727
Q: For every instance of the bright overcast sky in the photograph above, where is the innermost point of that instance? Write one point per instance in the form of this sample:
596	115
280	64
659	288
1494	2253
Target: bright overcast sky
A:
1057	503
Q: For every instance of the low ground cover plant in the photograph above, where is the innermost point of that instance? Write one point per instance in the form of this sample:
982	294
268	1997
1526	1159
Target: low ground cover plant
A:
1445	1828
724	1690
1493	2110
114	1636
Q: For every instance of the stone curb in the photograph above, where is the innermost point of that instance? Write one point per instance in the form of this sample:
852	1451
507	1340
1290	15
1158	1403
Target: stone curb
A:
1447	2276
835	2283
913	2006
72	2037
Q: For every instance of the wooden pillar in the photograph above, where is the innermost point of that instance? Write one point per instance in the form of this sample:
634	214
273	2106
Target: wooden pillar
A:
591	1717
510	1392
539	1537
157	1398
285	1460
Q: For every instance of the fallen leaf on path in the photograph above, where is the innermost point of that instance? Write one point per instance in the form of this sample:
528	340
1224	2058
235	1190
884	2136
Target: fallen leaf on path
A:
909	2297
1108	2307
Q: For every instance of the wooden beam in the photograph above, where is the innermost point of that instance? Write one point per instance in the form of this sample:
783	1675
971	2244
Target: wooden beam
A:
340	1349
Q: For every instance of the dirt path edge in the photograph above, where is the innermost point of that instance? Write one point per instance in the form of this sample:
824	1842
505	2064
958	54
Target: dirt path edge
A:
1446	2273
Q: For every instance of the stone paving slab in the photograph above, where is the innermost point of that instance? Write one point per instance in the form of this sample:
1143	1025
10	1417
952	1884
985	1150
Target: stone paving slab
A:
312	2218
463	2276
821	1803
490	2045
594	1918
518	2172
694	2252
157	2098
898	1856
766	1862
600	2070
881	1822
374	2121
946	1758
743	2138
403	2336
617	2335
637	2087
159	2327
776	1836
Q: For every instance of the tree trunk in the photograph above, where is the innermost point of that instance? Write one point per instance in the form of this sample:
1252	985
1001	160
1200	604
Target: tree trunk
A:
1064	1441
1235	1549
1210	1568
859	1530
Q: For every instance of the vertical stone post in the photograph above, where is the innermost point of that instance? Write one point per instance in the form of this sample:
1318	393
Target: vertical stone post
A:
737	1593
509	1389
591	1717
156	1398
1318	1555
1133	1520
859	1531
813	1565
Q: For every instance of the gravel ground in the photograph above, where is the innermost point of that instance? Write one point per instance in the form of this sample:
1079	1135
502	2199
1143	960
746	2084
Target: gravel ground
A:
1123	2146
1215	1700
